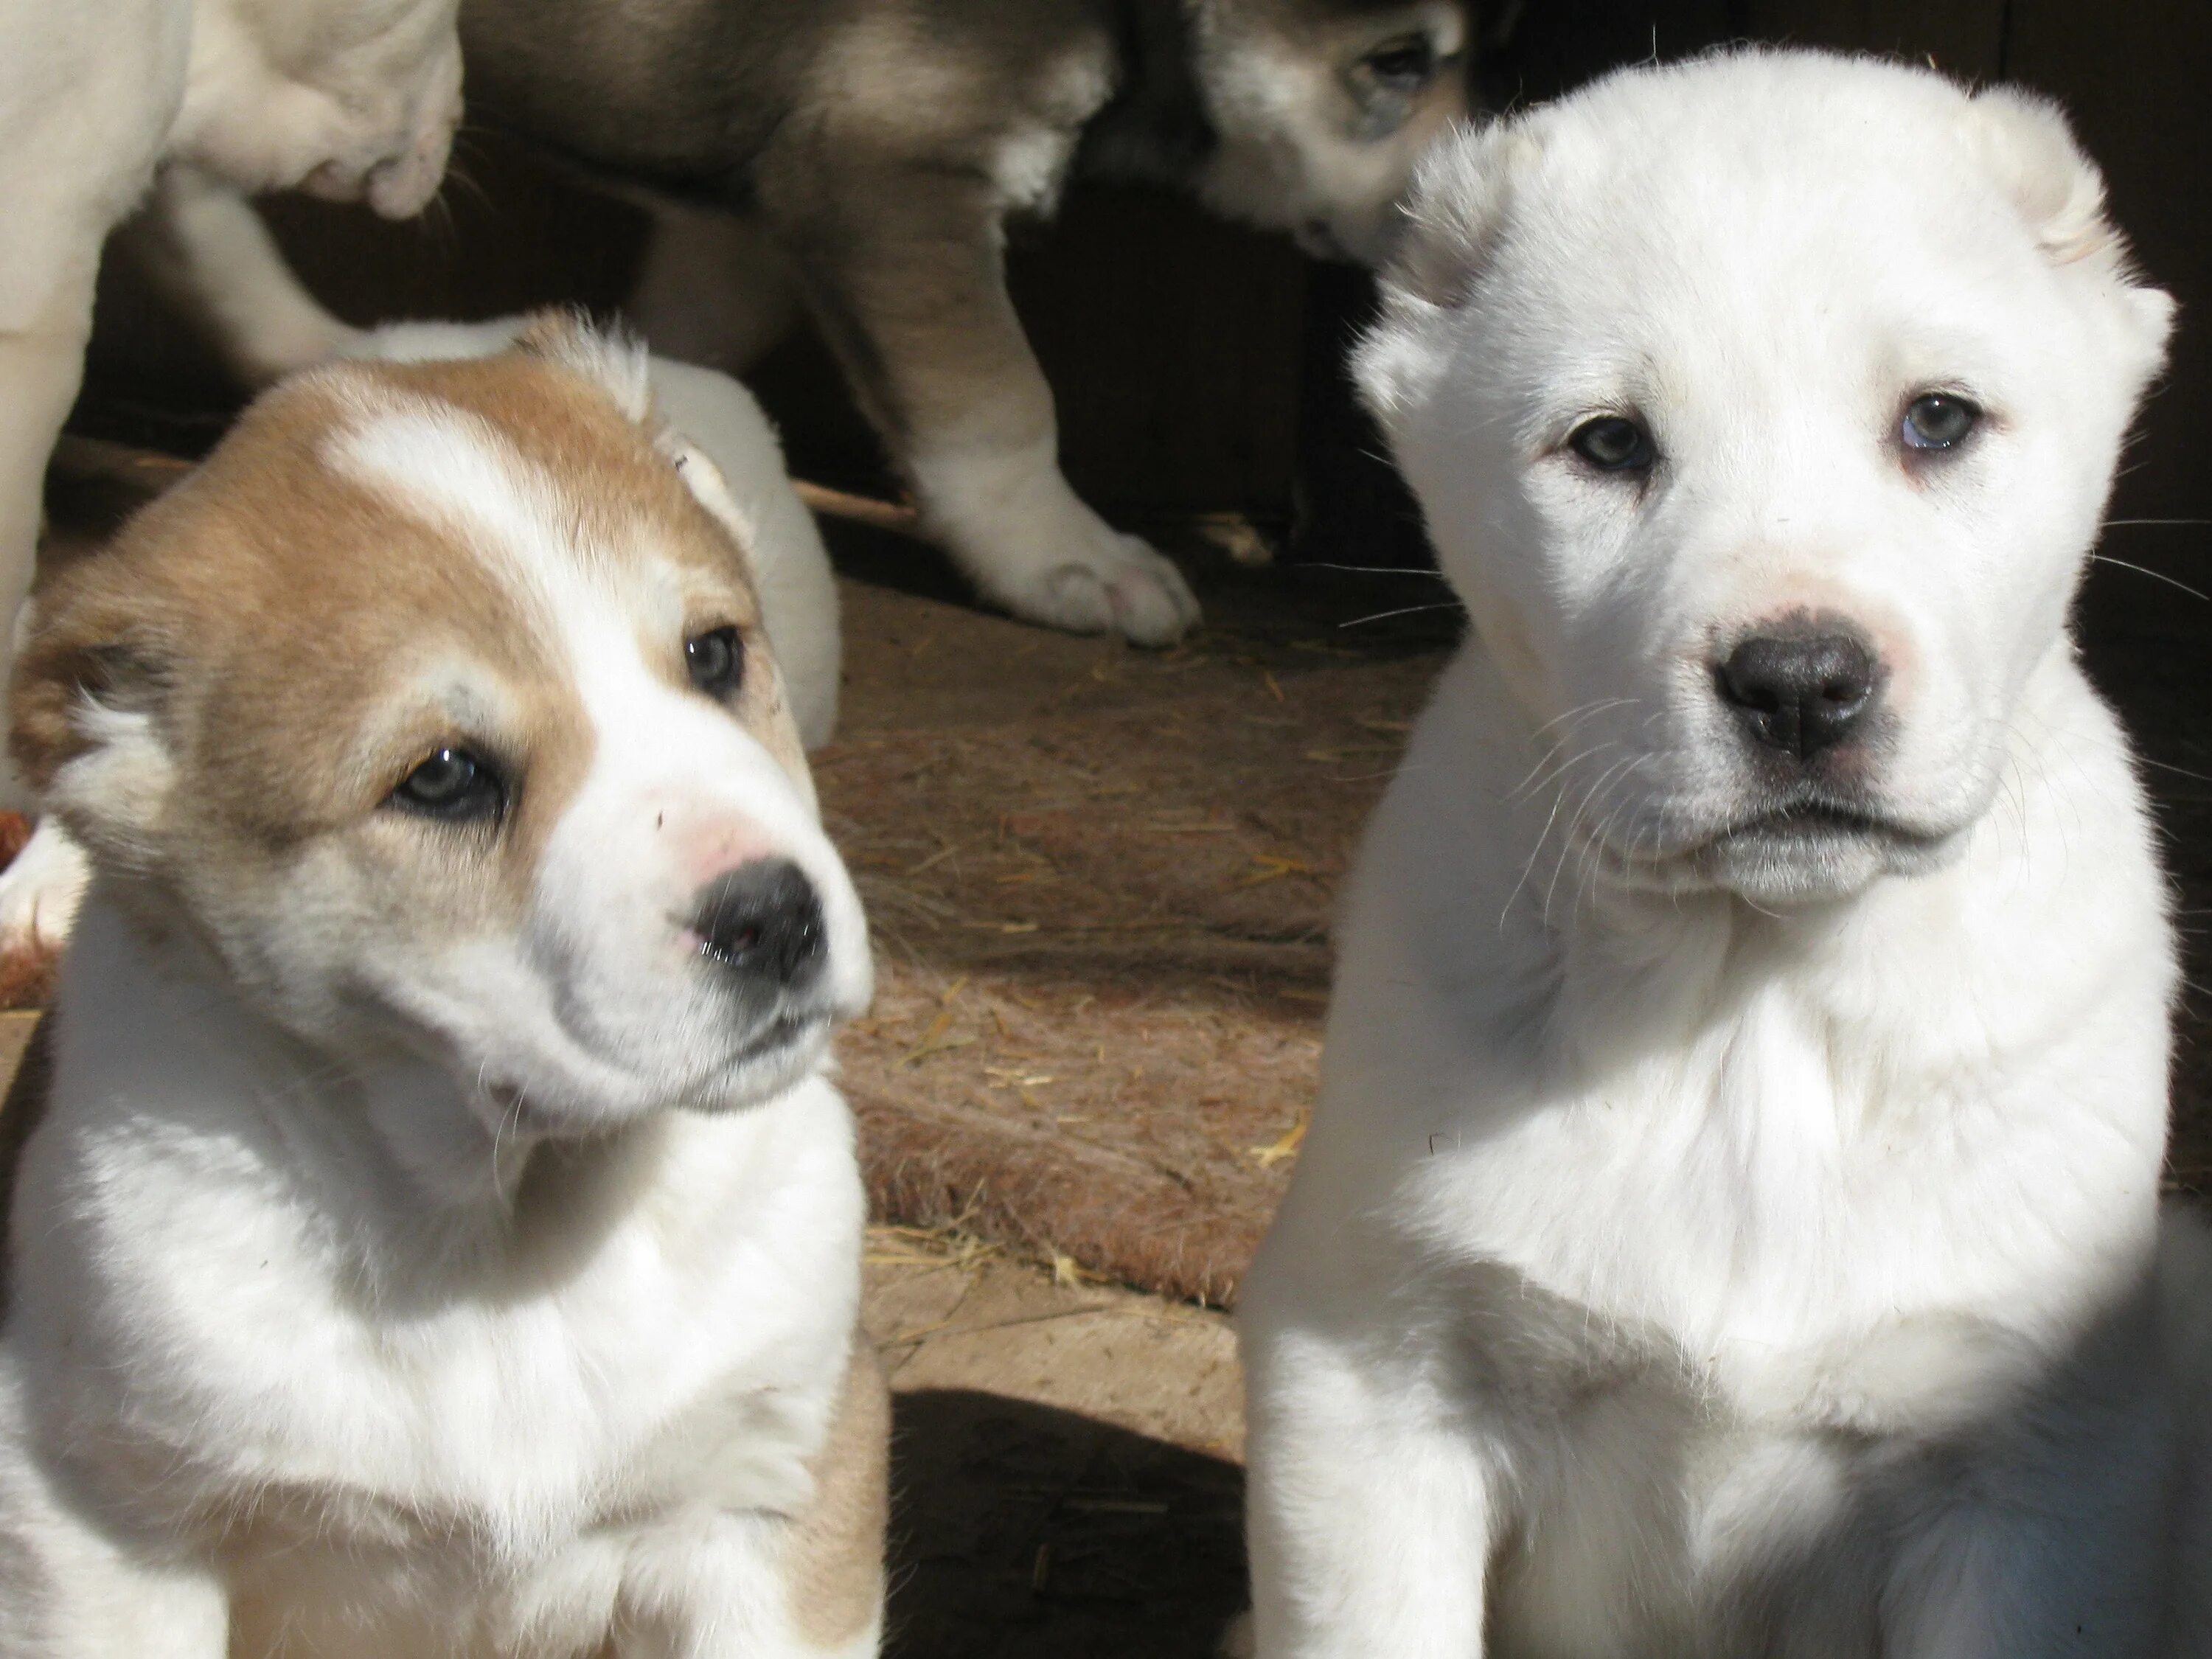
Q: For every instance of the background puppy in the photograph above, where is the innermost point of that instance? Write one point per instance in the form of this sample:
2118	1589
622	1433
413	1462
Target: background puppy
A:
1731	1222
877	150
345	98
441	1237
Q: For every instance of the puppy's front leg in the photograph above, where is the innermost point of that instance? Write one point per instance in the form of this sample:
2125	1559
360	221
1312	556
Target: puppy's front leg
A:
904	269
755	1586
1370	1508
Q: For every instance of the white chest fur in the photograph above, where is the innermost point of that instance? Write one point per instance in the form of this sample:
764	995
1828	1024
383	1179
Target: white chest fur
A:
1757	1143
277	1313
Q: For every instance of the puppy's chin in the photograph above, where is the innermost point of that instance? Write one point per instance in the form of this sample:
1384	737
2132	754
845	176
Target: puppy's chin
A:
563	1106
785	1055
1788	861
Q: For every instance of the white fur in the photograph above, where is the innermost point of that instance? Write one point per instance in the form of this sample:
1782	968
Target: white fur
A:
369	1293
1013	523
1705	1247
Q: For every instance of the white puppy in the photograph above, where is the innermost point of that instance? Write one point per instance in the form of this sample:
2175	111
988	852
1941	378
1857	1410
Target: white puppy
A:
345	98
1730	1222
441	1237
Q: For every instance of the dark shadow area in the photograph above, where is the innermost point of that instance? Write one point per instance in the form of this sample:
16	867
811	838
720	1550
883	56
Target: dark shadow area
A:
1021	1532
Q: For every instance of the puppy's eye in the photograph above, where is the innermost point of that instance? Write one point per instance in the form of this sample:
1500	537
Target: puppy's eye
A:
716	660
452	785
1614	443
1402	65
1938	420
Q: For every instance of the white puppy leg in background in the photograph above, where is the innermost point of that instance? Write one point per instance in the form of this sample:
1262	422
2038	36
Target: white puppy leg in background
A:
209	249
82	116
1012	520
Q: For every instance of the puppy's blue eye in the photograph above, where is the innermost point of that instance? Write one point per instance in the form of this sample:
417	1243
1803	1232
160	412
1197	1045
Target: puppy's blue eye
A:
716	661
1938	420
1614	443
452	785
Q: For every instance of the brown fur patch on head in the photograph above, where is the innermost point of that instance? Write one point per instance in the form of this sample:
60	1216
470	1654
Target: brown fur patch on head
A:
265	652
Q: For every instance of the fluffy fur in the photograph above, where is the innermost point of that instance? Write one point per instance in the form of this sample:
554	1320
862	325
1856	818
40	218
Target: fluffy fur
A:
435	1233
1730	1225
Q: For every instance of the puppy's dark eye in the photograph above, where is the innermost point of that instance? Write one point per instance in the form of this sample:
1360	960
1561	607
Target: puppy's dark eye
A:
452	785
1402	65
716	660
1612	443
1938	420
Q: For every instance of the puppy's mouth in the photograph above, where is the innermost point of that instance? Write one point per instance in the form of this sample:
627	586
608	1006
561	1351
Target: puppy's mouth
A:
785	1029
1811	821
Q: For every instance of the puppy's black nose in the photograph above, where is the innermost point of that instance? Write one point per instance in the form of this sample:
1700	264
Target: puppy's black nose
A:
1799	694
763	921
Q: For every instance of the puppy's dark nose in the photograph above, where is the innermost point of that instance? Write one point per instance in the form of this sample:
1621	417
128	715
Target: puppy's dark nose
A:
1799	694
763	921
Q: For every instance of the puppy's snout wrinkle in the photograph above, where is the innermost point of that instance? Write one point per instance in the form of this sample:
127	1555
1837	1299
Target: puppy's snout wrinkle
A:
762	922
1799	694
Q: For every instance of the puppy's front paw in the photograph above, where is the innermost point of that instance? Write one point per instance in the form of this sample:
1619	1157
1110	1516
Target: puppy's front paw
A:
1011	521
1120	586
40	892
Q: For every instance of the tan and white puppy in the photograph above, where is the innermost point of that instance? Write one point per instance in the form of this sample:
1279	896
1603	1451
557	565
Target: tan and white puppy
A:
440	1235
345	98
1730	1225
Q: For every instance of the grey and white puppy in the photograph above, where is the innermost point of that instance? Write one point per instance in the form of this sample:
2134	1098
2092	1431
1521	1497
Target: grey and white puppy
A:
874	150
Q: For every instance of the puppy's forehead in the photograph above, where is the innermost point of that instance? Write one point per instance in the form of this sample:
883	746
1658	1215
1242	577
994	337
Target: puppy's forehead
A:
532	469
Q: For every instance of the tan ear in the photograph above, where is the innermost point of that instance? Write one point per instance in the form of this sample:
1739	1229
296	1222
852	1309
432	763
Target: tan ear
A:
610	359
2027	144
1463	191
86	708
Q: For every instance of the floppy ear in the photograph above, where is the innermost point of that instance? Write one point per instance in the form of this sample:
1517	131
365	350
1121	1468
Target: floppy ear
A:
1461	192
91	686
620	366
2027	145
609	359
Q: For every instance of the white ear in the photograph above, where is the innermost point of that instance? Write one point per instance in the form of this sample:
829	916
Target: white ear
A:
1461	192
1457	209
710	490
612	360
2028	146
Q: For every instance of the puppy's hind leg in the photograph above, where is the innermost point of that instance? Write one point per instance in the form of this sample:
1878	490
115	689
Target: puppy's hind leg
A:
2054	1543
904	270
70	1590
